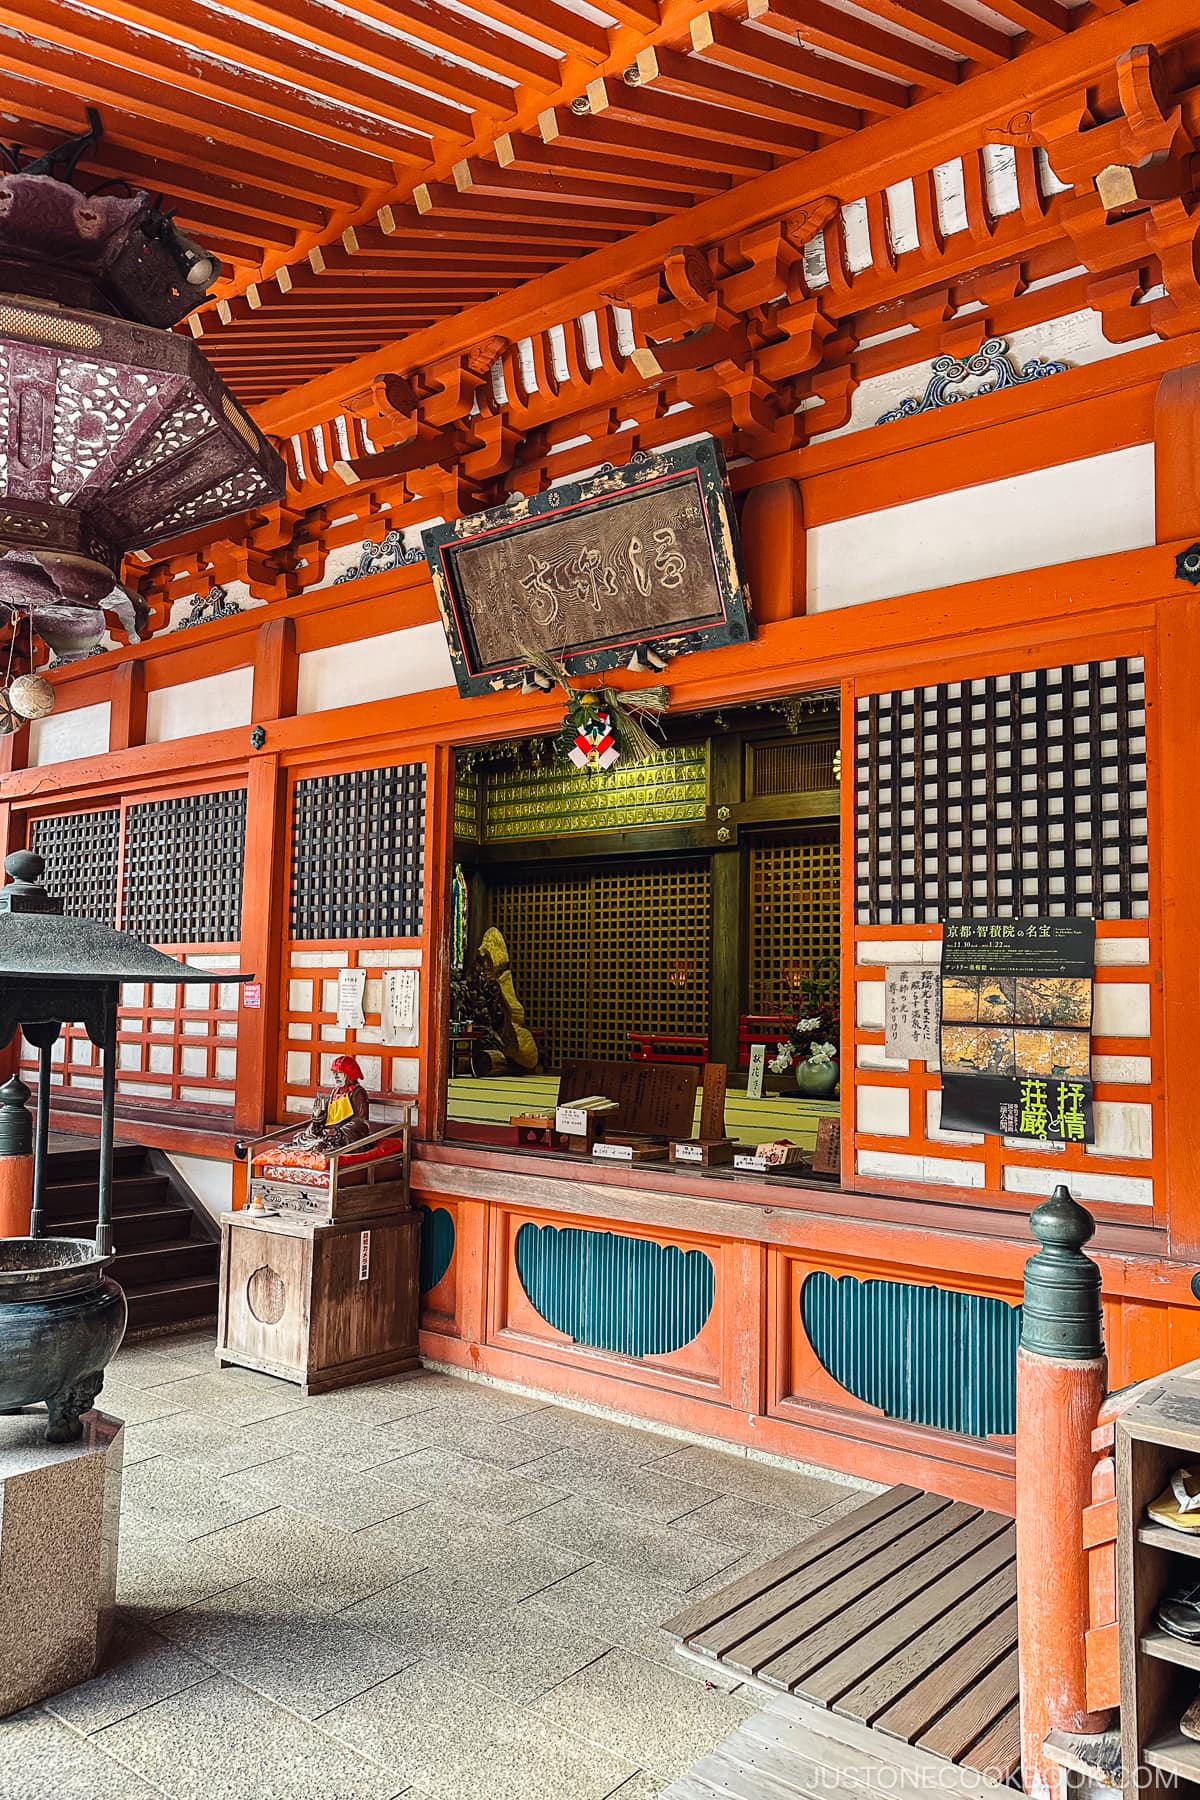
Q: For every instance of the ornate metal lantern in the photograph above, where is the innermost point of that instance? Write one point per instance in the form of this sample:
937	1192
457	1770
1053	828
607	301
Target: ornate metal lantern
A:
115	433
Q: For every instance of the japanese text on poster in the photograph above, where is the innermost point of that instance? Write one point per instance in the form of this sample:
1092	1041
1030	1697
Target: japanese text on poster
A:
1016	1028
911	1013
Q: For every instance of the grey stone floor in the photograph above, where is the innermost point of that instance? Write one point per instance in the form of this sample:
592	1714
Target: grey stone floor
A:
428	1586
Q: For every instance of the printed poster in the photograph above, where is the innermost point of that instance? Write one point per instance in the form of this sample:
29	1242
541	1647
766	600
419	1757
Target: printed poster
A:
1016	1032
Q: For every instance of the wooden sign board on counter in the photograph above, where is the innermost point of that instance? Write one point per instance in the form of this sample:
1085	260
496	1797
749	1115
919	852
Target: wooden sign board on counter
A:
655	1099
827	1157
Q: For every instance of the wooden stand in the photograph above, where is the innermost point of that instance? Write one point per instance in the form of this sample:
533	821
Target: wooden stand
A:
1160	1674
322	1304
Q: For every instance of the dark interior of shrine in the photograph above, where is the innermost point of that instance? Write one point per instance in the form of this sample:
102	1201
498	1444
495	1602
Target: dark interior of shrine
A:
680	910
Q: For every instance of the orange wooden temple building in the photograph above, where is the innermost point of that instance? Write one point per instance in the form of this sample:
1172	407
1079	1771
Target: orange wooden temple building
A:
471	252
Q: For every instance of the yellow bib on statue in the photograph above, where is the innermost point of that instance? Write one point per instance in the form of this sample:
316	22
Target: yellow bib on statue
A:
339	1108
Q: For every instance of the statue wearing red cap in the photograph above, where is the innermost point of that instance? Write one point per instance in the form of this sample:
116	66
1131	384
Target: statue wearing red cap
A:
341	1116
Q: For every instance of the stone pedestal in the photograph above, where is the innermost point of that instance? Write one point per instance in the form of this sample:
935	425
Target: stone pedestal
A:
59	1516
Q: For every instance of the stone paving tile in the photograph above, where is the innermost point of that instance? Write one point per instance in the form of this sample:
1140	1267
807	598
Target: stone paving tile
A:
659	1647
140	1667
158	1572
656	1718
603	1533
562	1427
195	1437
538	1764
308	1662
42	1760
489	1438
178	1497
233	1396
611	1602
750	1479
320	1567
218	1738
429	1611
511	1559
524	1654
347	1443
638	1490
329	1492
123	1398
426	1723
479	1485
752	1526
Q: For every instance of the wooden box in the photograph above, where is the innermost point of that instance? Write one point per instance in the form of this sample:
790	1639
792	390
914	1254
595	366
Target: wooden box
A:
345	1187
324	1304
705	1153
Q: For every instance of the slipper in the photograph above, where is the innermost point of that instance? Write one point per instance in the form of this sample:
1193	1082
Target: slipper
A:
1178	1506
1179	1613
1190	1722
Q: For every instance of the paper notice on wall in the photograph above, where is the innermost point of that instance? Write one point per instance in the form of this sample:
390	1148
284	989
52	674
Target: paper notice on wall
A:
350	988
401	994
911	1012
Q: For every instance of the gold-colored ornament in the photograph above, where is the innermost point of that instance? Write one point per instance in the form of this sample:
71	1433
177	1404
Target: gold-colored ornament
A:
31	696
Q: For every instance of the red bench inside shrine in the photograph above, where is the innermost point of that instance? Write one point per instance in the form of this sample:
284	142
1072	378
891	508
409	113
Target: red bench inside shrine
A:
667	1047
770	1029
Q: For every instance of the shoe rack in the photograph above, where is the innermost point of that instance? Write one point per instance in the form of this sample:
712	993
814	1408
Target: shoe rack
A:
1160	1674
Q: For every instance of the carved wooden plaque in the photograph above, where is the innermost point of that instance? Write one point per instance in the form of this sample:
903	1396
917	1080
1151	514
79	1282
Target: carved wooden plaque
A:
593	569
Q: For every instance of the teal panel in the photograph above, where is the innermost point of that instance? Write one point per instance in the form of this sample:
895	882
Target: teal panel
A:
931	1355
616	1293
437	1245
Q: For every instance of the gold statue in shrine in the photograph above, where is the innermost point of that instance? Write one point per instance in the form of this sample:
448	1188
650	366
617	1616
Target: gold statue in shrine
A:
517	1041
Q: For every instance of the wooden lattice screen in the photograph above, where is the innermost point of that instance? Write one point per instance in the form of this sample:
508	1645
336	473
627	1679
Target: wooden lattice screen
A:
358	854
798	766
597	957
1020	795
82	856
183	868
793	922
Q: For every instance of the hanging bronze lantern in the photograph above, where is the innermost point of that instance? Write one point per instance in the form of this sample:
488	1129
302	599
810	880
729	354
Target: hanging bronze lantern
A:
115	433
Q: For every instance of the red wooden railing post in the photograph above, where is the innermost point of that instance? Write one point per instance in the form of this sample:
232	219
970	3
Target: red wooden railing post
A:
1062	1378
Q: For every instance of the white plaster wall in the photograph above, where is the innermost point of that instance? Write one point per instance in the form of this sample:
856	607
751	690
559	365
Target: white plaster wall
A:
214	703
1093	507
376	668
210	1179
61	737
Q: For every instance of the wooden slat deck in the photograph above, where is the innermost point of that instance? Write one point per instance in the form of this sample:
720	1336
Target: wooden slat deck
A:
900	1616
794	1751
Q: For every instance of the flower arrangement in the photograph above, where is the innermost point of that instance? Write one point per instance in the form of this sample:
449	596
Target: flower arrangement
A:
814	1036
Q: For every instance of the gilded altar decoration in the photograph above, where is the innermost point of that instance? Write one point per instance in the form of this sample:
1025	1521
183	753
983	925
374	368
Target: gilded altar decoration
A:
628	568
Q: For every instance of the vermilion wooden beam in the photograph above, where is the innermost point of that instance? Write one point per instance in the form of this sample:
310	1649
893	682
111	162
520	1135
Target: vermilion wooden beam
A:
845	35
486	179
549	22
698	79
520	150
944	25
198	50
188	107
628	133
768	57
478	203
702	126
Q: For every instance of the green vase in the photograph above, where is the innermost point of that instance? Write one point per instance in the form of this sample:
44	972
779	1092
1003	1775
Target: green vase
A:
816	1080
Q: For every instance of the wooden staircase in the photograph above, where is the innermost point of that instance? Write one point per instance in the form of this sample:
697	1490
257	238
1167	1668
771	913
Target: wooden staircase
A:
168	1249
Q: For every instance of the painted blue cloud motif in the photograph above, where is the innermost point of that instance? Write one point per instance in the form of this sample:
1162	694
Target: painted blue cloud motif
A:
612	1292
931	1355
437	1245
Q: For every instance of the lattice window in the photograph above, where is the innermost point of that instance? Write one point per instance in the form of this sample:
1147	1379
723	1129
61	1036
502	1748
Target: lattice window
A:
595	958
799	766
358	854
669	788
652	935
1016	794
547	926
81	852
793	922
183	868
